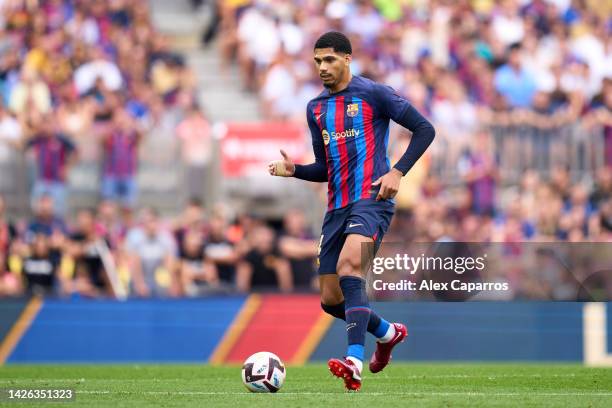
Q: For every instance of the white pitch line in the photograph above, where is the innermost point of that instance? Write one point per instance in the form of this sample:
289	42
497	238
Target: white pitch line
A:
459	393
409	377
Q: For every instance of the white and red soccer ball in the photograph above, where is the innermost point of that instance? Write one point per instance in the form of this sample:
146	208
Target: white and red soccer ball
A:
263	372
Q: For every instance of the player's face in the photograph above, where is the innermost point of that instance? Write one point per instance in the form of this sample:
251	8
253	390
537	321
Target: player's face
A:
332	66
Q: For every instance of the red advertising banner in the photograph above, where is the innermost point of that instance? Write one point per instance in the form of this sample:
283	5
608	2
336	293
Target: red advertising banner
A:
247	148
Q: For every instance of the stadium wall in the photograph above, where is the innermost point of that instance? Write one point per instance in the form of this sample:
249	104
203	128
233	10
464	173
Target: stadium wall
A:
481	331
222	330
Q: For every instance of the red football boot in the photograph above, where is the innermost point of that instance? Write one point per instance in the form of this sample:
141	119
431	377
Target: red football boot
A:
382	355
347	371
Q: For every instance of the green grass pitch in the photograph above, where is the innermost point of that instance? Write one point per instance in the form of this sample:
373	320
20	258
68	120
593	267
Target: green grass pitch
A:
400	385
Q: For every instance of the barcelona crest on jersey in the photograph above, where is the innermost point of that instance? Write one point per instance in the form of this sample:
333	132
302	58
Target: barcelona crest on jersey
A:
352	109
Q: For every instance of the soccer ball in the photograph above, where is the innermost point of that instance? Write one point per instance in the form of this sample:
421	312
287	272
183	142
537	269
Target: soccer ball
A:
263	372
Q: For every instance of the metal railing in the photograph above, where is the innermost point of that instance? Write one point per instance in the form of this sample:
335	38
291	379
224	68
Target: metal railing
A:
160	180
517	148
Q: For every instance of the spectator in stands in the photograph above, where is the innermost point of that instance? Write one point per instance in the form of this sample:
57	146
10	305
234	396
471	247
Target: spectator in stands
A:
548	206
45	221
195	137
30	93
262	267
577	215
54	154
41	268
105	101
508	25
363	19
454	115
94	268
191	219
109	224
259	42
198	274
513	81
152	258
166	76
10	134
120	146
83	27
298	245
602	228
75	118
278	88
10	63
99	72
601	117
220	251
603	187
480	174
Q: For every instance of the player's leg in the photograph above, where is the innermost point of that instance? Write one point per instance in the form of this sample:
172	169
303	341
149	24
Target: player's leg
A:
371	219
356	309
330	245
352	283
333	298
332	302
366	226
388	335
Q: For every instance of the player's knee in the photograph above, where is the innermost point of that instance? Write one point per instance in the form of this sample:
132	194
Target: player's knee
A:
331	298
334	309
348	266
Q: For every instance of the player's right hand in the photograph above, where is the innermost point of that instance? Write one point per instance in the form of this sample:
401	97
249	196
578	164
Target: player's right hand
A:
282	168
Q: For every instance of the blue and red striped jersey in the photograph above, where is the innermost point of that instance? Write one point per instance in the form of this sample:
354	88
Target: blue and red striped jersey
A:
350	134
120	154
52	153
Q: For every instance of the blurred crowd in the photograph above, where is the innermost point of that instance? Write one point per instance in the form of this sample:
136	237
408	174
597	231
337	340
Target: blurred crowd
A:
533	68
535	210
86	80
83	80
113	252
544	66
460	62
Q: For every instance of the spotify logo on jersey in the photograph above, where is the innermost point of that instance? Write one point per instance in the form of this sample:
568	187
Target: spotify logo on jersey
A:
339	135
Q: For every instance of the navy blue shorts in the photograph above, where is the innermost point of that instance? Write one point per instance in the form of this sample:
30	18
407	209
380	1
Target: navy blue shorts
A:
368	217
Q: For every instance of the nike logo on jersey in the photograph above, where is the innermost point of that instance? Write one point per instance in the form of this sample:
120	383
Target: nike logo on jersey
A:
350	326
351	225
320	115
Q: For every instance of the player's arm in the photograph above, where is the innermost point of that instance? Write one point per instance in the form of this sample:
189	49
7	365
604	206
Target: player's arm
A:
423	133
317	171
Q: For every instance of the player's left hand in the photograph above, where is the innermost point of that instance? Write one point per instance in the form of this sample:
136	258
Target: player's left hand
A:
389	184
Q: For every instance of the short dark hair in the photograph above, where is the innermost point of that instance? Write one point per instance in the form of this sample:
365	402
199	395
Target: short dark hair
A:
336	40
517	46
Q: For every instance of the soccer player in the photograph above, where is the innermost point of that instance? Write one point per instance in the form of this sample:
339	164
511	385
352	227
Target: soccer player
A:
349	124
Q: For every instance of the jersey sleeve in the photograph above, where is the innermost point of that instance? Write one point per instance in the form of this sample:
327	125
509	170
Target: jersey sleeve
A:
316	171
398	109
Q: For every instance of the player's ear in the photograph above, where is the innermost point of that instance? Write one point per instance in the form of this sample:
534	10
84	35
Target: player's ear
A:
347	59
